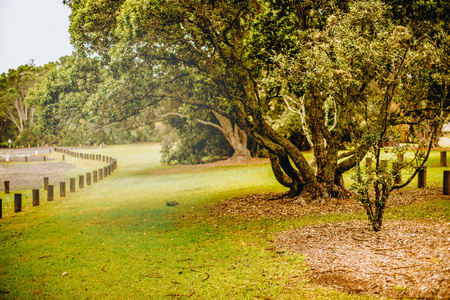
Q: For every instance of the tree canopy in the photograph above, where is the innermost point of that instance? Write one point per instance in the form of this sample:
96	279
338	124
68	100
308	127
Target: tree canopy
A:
334	71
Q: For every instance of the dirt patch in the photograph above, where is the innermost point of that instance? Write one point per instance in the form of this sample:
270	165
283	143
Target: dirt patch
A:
407	259
31	175
272	206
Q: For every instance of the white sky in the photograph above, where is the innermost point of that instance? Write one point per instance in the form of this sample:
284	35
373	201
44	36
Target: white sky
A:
33	29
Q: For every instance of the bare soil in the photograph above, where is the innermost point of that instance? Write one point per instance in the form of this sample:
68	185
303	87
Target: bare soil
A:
407	259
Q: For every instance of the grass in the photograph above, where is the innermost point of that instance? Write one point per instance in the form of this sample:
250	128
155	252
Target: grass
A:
119	240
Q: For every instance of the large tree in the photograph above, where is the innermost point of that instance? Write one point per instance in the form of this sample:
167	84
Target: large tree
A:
346	68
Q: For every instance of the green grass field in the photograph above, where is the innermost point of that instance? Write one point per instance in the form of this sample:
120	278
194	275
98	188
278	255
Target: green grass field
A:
119	240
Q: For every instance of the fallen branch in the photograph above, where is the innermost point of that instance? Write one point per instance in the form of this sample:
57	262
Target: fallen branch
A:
48	255
207	277
337	270
152	276
405	267
192	293
103	268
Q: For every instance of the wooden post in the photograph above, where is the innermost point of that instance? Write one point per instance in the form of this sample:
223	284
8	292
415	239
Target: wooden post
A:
81	181
103	158
45	158
6	187
1	205
72	185
63	157
88	178
109	169
369	163
62	189
95	175
384	166
105	172
446	188
422	178
443	159
35	197
26	158
45	183
17	202
50	193
397	172
100	174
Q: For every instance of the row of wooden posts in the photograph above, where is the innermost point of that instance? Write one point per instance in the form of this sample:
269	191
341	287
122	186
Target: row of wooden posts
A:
95	176
421	175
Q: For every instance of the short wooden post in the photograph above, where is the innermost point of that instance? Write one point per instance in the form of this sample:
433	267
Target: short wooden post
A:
446	184
94	175
26	158
384	166
63	157
45	183
88	178
62	189
397	172
35	197
109	169
6	187
105	172
369	163
443	159
100	174
45	158
17	202
1	205
103	158
72	185
50	193
81	181
422	178
50	151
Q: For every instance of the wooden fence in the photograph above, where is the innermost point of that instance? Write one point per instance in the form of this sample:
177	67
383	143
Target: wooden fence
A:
102	173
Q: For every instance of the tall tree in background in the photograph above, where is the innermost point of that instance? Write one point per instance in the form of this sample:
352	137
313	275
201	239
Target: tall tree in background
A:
62	95
14	87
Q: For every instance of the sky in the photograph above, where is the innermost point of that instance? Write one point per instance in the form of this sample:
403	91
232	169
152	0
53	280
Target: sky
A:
33	29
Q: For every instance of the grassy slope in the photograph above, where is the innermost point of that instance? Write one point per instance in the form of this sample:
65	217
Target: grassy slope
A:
119	240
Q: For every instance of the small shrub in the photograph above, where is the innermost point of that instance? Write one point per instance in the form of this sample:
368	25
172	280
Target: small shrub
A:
172	203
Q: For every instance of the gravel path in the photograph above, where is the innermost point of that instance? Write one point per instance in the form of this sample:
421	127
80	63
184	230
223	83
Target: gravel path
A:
31	175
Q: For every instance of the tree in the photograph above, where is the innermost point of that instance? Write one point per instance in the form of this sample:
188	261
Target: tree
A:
62	95
344	64
14	88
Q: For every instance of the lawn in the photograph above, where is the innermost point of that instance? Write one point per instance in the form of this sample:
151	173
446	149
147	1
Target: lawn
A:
118	239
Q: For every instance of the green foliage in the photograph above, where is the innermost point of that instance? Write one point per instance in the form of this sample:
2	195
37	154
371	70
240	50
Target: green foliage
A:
193	144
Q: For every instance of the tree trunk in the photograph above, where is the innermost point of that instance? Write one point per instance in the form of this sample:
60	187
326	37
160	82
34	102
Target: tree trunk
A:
235	136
